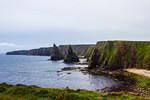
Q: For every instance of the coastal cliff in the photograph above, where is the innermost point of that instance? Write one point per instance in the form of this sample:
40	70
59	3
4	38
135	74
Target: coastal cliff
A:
41	51
20	52
80	50
36	52
120	54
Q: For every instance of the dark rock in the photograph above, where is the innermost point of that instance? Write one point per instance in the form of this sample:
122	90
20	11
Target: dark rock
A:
58	71
56	54
71	57
70	68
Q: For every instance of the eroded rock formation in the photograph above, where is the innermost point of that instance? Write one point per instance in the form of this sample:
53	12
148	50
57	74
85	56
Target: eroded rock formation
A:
71	57
56	54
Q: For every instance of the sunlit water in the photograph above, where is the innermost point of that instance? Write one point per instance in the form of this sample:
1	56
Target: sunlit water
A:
37	70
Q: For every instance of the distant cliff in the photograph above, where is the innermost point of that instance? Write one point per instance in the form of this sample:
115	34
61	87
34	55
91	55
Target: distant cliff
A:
36	52
120	54
20	52
80	50
41	51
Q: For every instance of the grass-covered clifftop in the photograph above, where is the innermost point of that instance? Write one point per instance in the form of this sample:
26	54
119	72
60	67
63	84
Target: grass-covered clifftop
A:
121	54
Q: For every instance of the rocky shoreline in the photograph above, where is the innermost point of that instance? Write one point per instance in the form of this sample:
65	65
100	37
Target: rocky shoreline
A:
127	82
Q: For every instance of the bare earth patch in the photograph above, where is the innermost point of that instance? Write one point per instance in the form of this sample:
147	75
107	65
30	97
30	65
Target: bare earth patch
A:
139	71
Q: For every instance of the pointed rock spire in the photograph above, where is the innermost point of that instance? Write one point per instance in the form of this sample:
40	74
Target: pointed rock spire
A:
56	54
71	57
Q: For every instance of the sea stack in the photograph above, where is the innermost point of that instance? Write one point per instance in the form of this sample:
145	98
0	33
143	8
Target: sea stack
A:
71	57
56	54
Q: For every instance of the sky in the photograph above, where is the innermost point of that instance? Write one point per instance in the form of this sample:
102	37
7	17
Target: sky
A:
28	24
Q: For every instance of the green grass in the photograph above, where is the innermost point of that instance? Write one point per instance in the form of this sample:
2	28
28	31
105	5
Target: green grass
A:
122	54
24	92
141	80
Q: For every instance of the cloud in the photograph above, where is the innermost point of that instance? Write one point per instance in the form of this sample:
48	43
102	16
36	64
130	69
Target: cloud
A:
36	23
84	15
5	44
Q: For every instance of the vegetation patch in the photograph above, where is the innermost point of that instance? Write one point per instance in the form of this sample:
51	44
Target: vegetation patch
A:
141	80
24	92
114	55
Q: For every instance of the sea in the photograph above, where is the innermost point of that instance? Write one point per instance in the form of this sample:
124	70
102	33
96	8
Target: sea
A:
38	70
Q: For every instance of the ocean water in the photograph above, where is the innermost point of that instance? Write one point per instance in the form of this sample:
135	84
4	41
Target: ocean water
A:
37	70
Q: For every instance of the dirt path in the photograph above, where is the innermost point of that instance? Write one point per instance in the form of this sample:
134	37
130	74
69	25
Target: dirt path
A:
139	71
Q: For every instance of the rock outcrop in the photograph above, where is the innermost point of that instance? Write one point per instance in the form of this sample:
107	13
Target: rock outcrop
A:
71	57
121	54
56	54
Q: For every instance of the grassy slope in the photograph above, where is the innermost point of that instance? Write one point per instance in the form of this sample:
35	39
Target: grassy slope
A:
23	92
141	81
118	54
89	51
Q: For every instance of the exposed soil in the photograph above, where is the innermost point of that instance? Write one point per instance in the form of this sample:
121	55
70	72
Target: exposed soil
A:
139	71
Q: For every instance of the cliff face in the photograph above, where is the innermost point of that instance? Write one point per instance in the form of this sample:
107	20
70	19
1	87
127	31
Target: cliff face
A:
89	51
36	52
121	54
41	51
20	52
80	50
